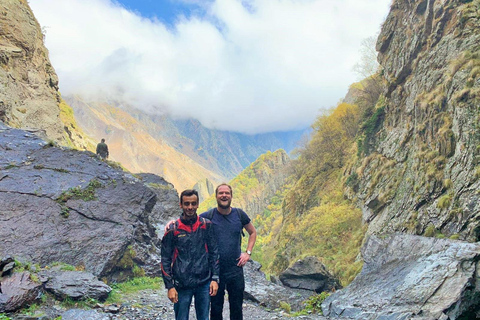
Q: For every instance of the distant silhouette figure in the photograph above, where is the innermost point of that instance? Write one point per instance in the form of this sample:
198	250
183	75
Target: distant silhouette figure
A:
102	150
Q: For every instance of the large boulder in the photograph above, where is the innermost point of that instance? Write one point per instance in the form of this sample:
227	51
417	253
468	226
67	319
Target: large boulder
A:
309	274
258	289
63	205
74	285
412	277
17	291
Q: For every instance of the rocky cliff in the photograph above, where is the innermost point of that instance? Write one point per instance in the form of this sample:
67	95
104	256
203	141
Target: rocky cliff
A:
29	96
419	171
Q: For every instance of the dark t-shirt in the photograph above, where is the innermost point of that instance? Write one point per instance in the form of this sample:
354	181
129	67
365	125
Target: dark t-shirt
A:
228	230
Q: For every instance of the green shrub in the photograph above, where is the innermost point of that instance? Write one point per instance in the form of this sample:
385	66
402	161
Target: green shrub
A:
138	272
285	306
447	183
314	303
430	231
444	201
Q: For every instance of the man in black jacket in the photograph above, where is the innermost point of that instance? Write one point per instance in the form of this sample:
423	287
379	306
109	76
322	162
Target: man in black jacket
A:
190	260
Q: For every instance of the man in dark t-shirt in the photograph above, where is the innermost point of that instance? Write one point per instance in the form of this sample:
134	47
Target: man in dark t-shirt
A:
228	224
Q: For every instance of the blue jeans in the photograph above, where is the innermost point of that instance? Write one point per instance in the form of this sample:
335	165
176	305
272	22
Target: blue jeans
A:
202	302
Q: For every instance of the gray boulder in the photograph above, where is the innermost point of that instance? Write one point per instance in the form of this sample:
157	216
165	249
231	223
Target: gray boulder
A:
18	291
411	277
309	274
74	285
64	205
259	290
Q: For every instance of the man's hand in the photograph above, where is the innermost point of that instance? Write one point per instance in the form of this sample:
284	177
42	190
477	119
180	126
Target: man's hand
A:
213	288
244	257
173	295
169	223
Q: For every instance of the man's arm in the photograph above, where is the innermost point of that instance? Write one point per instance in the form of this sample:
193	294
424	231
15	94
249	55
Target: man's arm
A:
166	264
213	258
252	237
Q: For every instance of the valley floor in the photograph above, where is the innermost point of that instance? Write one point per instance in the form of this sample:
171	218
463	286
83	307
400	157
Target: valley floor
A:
147	304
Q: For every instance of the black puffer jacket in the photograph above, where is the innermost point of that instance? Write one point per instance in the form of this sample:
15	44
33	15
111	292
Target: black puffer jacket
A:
189	254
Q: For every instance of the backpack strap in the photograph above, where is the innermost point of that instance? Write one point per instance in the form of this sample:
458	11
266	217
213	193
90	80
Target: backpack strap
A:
241	216
209	214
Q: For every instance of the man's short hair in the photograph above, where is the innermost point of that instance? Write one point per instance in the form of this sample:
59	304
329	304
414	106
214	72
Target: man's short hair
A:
224	184
103	140
188	193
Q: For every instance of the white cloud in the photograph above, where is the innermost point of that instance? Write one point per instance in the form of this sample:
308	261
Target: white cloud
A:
251	66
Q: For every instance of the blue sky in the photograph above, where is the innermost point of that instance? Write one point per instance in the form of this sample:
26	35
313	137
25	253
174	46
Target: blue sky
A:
166	11
249	66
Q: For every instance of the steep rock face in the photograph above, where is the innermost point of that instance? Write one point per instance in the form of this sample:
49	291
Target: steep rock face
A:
29	95
62	205
421	174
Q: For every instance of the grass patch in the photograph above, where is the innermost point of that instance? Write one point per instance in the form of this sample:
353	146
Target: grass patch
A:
86	194
133	286
63	266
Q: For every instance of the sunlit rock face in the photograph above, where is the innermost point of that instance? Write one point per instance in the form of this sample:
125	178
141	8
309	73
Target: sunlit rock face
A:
29	96
419	173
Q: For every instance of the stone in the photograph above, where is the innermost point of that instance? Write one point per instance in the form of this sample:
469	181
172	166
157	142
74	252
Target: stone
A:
309	274
74	285
411	277
78	314
17	291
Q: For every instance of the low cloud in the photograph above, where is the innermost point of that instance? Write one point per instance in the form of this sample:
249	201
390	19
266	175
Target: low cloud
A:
250	66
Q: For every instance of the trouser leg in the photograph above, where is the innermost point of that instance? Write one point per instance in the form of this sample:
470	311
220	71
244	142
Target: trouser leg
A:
235	288
182	307
202	301
217	302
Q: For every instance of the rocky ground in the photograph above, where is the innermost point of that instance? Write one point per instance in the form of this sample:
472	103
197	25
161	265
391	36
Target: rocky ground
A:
143	305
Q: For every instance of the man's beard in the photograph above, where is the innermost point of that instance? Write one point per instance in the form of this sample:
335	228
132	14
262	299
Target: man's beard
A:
224	206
